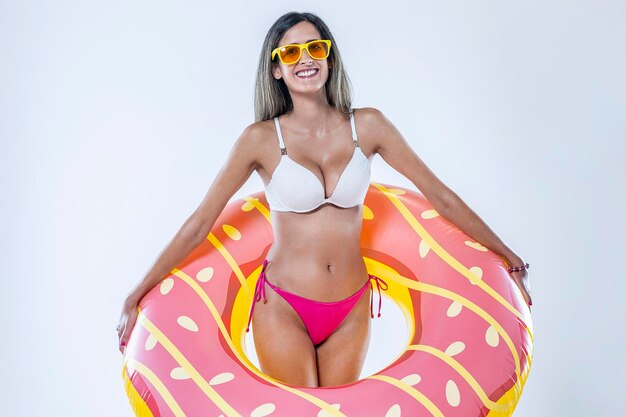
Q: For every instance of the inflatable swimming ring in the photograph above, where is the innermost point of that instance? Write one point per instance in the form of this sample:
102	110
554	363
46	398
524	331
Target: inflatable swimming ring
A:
470	341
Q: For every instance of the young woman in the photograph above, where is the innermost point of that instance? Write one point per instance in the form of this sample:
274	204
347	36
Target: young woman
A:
314	327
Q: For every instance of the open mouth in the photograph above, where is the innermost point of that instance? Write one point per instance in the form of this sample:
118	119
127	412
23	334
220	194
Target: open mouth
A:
310	73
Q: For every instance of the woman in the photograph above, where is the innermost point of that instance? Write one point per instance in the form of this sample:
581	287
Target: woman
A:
313	154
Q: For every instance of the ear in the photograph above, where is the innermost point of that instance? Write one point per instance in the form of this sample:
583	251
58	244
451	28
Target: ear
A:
276	72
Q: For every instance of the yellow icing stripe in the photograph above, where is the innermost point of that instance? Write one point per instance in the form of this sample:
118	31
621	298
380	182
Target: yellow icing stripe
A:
187	366
160	387
385	272
138	405
424	400
445	256
512	395
220	324
254	203
466	375
231	261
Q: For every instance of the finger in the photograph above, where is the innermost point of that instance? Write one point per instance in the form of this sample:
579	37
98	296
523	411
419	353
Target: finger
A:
528	299
122	344
121	329
123	338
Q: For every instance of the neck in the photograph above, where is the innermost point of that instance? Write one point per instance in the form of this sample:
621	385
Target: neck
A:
311	113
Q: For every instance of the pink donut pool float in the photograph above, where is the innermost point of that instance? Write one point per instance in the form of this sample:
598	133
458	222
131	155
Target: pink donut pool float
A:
468	353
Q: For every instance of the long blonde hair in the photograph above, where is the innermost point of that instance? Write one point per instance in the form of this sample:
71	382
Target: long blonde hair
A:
271	96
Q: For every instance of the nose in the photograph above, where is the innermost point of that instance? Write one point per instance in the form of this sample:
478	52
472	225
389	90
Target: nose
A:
305	56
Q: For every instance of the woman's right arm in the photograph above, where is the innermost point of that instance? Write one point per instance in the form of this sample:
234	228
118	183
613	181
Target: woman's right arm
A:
240	163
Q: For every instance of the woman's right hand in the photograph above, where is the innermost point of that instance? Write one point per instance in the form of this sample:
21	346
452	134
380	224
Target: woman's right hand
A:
126	323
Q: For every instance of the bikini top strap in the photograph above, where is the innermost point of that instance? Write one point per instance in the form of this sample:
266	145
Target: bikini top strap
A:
283	150
354	136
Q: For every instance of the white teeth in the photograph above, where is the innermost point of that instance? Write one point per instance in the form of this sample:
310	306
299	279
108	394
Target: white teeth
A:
306	73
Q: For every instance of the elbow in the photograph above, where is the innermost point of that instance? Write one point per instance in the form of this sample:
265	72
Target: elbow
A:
200	233
196	228
200	223
447	201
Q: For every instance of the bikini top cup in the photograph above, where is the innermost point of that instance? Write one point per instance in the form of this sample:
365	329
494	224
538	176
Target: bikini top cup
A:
295	188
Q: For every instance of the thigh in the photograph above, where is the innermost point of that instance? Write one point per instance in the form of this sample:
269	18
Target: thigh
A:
283	346
341	356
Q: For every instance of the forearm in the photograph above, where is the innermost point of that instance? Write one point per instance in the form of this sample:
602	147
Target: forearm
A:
186	239
467	220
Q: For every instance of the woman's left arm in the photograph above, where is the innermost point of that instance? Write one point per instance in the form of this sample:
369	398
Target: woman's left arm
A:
393	148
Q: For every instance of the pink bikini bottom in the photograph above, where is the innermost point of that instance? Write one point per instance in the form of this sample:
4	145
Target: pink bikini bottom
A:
321	318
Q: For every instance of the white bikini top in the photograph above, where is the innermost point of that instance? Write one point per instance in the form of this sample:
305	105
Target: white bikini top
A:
295	188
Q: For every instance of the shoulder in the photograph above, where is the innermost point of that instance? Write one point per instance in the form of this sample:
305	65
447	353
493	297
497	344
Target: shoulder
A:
367	115
256	140
258	134
372	124
254	133
371	120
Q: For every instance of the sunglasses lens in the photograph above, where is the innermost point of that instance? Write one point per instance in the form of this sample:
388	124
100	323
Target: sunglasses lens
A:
318	50
290	54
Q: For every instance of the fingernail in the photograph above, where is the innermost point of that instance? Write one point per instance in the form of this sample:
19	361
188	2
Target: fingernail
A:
530	303
123	343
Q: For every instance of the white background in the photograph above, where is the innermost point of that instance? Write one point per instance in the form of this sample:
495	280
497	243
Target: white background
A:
116	116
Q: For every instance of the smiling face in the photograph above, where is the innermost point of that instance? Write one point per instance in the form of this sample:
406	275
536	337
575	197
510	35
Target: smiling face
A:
302	33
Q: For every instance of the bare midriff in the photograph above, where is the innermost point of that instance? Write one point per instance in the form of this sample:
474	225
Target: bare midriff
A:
317	254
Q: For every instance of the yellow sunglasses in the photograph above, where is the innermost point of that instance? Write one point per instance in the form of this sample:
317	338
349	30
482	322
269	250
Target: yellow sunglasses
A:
290	54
